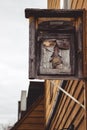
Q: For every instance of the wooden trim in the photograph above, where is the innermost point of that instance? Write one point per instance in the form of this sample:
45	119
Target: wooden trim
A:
75	100
32	66
53	13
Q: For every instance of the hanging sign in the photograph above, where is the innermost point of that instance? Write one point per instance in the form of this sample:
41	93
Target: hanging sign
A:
57	41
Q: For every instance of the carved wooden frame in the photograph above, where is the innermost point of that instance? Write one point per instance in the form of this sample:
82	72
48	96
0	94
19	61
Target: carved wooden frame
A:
78	17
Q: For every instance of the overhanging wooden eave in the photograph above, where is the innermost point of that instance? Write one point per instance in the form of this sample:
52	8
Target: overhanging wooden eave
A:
32	12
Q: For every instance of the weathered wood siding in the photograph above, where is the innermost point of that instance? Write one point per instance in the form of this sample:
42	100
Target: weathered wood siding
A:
50	97
78	4
32	67
33	119
82	4
53	4
68	110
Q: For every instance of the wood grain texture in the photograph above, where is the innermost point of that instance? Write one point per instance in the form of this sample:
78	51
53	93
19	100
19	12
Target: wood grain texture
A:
53	4
50	105
32	29
34	117
78	4
78	115
68	111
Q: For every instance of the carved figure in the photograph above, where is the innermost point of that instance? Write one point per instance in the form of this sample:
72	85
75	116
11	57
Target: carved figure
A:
56	59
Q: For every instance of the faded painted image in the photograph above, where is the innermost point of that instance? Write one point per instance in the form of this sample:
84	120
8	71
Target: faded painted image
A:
55	56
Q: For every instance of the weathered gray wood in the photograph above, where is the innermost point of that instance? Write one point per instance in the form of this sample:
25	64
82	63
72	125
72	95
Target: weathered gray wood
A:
57	47
32	48
50	31
79	50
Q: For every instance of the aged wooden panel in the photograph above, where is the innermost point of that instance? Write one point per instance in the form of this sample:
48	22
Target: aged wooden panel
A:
51	49
52	13
81	126
61	106
68	111
32	29
72	110
53	4
85	4
36	114
79	120
31	127
58	4
48	3
40	107
34	118
74	4
71	2
49	104
79	4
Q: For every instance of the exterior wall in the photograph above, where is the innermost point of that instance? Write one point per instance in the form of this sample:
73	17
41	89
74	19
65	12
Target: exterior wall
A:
51	93
68	111
78	4
33	119
53	4
82	4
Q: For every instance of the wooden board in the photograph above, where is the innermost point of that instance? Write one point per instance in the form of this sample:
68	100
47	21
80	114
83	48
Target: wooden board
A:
68	111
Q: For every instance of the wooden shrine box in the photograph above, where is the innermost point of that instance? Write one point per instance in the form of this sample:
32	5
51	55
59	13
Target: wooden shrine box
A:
57	43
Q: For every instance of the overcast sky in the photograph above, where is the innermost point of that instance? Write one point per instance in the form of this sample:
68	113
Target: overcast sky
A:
14	54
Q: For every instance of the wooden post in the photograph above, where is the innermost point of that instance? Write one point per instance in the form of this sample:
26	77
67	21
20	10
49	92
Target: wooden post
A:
32	29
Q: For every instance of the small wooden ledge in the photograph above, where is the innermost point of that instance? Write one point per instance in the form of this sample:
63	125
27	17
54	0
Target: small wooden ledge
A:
30	12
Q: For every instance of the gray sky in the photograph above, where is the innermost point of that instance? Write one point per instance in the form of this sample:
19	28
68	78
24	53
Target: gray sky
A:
14	54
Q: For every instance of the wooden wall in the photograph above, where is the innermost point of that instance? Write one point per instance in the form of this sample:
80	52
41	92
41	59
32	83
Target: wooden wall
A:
53	4
51	93
33	119
78	4
74	4
68	111
82	4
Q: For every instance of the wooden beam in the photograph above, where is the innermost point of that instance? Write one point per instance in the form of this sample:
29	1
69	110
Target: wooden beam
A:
53	13
71	97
